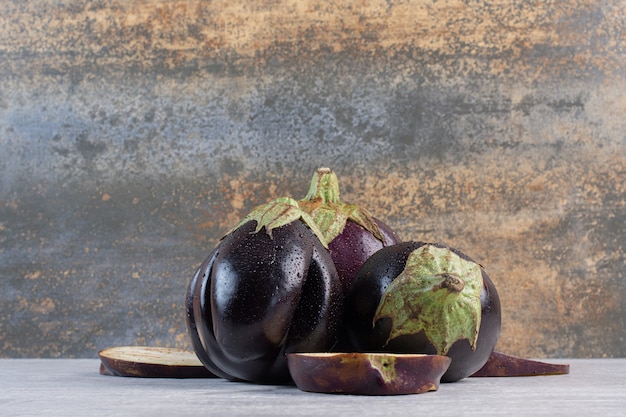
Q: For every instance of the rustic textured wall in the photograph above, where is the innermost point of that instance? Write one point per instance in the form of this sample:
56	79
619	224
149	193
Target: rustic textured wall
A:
135	133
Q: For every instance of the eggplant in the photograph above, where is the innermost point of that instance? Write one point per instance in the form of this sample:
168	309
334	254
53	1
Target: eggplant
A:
351	232
418	297
269	288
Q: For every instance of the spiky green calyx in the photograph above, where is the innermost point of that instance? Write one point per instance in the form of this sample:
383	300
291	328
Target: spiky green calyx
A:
438	292
323	203
280	212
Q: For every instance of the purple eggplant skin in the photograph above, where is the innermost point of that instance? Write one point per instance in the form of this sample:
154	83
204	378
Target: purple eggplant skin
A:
366	292
258	297
349	251
354	245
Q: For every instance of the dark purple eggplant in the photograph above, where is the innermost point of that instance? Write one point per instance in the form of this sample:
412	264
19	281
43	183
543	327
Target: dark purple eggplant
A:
269	288
352	233
416	297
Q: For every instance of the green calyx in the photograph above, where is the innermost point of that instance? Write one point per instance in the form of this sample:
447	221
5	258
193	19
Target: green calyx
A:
322	202
438	293
280	212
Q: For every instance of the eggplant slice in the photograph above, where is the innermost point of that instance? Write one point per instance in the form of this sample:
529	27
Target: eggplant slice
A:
503	365
151	362
367	373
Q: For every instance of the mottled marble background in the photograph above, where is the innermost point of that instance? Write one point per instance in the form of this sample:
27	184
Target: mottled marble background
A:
133	134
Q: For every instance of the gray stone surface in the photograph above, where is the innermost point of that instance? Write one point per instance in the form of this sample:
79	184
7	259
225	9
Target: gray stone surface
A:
134	134
74	387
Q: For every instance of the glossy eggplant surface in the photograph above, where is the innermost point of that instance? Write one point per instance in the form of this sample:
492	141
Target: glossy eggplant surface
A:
372	330
261	294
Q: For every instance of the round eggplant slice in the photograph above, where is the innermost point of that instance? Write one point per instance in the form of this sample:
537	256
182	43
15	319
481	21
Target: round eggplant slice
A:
151	362
367	373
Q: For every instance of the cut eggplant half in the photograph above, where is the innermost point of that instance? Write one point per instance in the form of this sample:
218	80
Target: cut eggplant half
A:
367	373
503	365
151	362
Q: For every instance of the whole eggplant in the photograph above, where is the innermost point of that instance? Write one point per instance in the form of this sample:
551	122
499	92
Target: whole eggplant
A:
269	288
416	297
352	233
